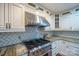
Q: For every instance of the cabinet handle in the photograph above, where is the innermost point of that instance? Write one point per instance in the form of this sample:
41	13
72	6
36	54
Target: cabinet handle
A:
7	25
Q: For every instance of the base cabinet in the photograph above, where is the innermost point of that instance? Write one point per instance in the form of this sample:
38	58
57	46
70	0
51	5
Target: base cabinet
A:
65	48
69	48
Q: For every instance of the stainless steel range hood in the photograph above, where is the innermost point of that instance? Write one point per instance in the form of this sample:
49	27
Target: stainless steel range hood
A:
35	20
42	21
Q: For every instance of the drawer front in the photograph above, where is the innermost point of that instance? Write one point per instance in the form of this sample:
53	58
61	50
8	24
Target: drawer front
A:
71	44
69	51
73	49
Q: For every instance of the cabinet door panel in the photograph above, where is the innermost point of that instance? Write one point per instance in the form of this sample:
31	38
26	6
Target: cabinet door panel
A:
66	22
75	21
16	17
2	19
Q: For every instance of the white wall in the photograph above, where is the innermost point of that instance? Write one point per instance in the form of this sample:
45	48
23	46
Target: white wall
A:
70	21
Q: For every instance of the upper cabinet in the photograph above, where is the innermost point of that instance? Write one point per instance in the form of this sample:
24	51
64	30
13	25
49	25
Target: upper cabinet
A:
16	17
12	18
69	21
2	16
75	21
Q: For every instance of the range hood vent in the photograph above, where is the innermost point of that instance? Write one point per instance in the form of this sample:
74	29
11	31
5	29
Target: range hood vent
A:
35	20
65	13
31	4
43	22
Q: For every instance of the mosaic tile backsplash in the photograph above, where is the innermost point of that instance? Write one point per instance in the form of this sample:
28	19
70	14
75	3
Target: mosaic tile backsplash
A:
67	33
30	34
14	38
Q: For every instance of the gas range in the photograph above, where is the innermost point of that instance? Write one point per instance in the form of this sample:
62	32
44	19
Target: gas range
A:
37	45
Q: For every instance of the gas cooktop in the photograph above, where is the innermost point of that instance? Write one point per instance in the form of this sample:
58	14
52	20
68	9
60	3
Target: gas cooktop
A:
35	43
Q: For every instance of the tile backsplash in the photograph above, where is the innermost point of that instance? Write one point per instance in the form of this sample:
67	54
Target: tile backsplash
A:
30	34
14	38
67	33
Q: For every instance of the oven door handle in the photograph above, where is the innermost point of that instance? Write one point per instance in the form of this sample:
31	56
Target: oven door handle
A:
47	52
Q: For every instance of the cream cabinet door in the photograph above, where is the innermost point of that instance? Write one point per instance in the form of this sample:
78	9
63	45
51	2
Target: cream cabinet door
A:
2	16
16	17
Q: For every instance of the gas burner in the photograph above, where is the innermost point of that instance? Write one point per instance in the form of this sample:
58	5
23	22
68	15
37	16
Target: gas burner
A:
35	43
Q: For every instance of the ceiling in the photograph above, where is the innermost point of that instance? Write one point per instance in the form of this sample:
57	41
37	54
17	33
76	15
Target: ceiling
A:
59	7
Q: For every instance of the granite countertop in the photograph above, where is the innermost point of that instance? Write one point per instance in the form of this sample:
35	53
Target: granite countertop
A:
54	38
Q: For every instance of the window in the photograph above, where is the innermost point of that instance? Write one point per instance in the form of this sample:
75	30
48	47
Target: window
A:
56	20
